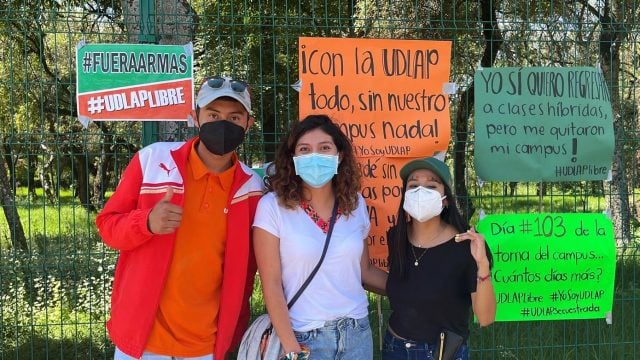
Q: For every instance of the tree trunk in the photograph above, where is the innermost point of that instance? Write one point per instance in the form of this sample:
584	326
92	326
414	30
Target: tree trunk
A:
32	163
16	231
493	42
82	171
99	180
46	179
611	38
103	164
8	159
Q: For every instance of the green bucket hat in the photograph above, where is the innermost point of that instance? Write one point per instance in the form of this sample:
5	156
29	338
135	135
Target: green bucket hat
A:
430	163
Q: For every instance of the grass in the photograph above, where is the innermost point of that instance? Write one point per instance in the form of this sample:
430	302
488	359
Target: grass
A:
54	299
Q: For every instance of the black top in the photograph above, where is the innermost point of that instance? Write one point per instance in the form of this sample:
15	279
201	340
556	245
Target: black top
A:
434	295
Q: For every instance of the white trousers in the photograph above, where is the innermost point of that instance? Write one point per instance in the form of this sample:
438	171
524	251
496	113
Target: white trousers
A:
119	355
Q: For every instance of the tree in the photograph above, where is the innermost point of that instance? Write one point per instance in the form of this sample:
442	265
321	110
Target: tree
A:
614	18
16	231
39	87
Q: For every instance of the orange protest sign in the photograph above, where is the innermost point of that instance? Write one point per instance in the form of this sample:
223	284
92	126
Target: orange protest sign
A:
382	190
388	98
386	94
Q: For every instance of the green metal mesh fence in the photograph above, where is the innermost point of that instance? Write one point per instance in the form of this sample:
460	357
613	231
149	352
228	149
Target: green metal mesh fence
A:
55	274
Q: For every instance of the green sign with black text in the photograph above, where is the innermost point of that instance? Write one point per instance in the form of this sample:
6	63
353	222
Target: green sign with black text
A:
542	124
551	266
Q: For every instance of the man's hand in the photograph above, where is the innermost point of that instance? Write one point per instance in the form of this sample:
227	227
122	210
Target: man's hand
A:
165	216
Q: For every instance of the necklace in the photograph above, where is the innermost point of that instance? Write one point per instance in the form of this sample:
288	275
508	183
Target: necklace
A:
417	258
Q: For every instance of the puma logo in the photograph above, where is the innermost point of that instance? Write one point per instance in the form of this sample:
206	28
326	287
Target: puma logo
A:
165	168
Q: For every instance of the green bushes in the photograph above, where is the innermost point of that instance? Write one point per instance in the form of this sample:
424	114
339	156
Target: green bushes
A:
54	299
55	306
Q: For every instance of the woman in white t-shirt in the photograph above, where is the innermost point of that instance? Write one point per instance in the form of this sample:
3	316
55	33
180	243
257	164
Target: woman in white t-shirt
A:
314	167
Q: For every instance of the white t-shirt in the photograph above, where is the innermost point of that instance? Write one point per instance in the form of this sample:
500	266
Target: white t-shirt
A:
336	289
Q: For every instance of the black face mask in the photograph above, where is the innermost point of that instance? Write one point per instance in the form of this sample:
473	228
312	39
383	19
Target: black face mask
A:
221	137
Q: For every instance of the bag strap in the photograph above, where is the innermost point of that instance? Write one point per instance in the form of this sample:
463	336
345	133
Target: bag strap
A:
332	221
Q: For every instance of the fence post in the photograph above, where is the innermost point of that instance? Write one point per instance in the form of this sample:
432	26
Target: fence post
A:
147	35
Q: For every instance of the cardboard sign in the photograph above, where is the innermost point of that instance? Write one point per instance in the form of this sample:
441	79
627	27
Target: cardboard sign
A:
386	94
134	82
542	124
551	266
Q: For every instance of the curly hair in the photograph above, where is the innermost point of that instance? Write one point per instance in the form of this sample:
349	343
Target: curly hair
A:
289	187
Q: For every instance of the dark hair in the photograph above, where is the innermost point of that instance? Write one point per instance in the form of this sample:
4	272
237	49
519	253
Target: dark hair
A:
450	215
288	186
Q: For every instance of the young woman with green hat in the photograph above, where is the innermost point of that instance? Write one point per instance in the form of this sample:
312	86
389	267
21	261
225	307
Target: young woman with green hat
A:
439	270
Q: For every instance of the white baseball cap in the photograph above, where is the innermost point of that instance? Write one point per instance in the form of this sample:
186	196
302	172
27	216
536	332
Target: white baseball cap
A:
222	86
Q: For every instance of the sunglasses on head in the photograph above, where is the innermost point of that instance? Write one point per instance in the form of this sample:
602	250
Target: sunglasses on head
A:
216	82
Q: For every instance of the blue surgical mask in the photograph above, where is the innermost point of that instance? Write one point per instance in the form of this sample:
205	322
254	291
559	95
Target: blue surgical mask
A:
316	169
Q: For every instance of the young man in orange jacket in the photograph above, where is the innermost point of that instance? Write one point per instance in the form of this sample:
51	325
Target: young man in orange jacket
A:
181	218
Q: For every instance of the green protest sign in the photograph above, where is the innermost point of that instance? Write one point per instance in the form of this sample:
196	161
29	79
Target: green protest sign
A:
134	82
551	266
542	124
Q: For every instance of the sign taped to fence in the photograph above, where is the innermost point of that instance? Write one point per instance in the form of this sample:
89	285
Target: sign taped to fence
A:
551	266
382	190
387	95
134	82
542	124
390	98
